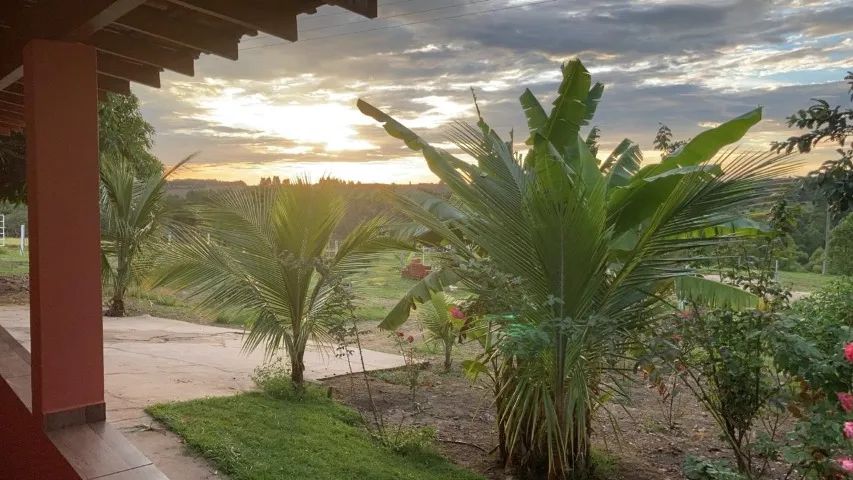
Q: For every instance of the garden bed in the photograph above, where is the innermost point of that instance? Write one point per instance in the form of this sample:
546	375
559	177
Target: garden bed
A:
464	418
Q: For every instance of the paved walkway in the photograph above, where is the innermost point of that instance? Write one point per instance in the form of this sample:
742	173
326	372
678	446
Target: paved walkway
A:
150	360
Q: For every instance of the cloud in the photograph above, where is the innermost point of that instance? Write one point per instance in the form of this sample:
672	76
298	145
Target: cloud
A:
687	64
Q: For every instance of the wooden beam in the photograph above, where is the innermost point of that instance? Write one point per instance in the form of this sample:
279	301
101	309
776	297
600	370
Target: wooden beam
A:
276	21
365	8
11	107
11	125
124	69
178	59
153	23
56	20
12	119
5	131
11	98
16	88
112	84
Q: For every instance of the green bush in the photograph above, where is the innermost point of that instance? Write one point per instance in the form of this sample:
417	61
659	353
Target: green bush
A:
821	316
841	248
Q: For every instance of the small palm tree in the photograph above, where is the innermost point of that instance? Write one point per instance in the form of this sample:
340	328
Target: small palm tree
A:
443	321
594	249
132	214
268	255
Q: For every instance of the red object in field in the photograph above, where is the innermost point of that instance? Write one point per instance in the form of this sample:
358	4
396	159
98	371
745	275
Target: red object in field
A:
416	270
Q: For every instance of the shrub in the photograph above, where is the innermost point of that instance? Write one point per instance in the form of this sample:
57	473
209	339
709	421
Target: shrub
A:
841	248
823	315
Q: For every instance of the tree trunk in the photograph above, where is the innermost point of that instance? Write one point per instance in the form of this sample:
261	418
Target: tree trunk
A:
827	232
116	308
297	370
448	348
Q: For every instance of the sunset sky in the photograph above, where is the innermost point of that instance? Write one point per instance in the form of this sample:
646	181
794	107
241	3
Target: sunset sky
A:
288	109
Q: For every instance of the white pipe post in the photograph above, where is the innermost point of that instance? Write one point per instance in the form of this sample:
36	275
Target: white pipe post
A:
23	238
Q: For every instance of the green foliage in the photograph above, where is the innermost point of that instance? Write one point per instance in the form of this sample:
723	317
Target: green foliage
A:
13	172
701	469
817	362
132	214
590	256
444	320
841	248
254	436
124	134
833	124
826	314
268	255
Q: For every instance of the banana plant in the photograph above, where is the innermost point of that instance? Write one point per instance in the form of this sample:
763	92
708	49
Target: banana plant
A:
596	248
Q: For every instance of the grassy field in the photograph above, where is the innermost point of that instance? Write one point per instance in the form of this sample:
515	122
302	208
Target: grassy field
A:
11	260
256	437
804	281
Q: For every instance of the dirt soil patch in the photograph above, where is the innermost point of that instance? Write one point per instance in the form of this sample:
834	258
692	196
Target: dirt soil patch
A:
464	417
14	289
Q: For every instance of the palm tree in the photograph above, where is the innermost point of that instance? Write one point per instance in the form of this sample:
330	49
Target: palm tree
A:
443	321
268	255
132	214
594	248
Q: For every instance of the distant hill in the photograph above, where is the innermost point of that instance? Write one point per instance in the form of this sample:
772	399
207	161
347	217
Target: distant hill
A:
180	188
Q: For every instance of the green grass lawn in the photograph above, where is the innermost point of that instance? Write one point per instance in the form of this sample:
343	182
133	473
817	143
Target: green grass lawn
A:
11	260
256	437
804	281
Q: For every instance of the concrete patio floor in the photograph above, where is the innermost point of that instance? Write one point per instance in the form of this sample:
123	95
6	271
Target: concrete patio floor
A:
149	360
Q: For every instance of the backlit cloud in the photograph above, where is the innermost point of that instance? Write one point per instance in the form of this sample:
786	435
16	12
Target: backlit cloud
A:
288	108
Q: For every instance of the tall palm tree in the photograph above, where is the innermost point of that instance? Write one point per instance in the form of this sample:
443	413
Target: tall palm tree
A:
268	255
595	247
132	214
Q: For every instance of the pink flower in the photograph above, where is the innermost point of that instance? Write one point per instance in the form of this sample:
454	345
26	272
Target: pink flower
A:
848	352
845	400
846	464
455	312
848	429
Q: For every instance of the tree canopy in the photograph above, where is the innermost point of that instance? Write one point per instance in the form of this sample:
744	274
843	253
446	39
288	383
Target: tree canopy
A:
833	124
123	135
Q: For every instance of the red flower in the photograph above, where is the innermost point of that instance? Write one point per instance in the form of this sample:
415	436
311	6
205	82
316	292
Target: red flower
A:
845	400
412	339
400	334
848	352
456	312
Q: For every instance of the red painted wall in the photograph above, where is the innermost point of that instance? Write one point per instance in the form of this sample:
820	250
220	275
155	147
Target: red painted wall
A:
25	451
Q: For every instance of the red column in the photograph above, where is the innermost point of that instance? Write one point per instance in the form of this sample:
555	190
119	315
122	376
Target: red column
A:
61	95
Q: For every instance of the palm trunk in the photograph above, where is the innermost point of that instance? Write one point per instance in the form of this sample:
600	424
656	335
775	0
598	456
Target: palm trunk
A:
116	308
448	348
297	370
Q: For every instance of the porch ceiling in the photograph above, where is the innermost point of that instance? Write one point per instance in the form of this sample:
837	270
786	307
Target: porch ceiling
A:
138	39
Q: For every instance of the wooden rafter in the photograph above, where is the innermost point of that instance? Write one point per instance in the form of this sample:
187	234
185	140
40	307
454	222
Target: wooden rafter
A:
7	97
113	84
136	39
247	13
11	107
149	22
366	8
122	68
12	118
143	50
55	19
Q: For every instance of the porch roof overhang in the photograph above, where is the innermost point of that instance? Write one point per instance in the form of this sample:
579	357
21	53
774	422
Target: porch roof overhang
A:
137	39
